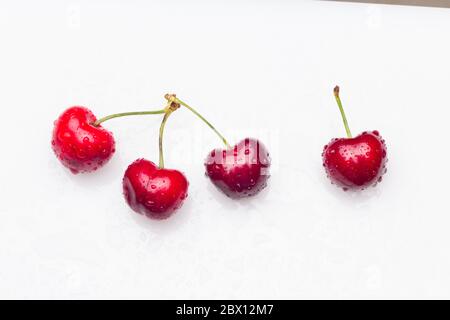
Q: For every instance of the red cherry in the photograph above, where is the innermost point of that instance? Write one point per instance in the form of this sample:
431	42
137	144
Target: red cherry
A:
153	192
355	163
78	144
240	171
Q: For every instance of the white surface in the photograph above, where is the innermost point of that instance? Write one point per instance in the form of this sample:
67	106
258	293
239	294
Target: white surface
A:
257	68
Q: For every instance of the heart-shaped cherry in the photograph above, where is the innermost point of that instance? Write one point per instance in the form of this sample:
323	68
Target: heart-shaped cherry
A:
355	163
240	171
154	192
80	145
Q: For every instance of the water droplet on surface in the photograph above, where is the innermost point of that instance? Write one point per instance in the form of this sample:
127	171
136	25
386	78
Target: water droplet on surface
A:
81	154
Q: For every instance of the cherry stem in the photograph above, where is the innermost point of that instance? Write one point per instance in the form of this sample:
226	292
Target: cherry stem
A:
341	109
175	99
125	114
161	134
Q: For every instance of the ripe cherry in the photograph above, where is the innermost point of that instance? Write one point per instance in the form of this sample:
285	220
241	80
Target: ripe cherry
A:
240	171
81	143
154	192
78	143
355	163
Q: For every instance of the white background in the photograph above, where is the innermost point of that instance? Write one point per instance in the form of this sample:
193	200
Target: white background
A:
254	68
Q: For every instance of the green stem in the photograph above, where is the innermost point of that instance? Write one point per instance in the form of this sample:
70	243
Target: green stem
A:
161	134
204	120
341	109
124	114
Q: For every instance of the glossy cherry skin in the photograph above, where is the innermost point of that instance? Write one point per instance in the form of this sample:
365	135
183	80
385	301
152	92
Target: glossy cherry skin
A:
78	144
356	163
241	171
154	192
